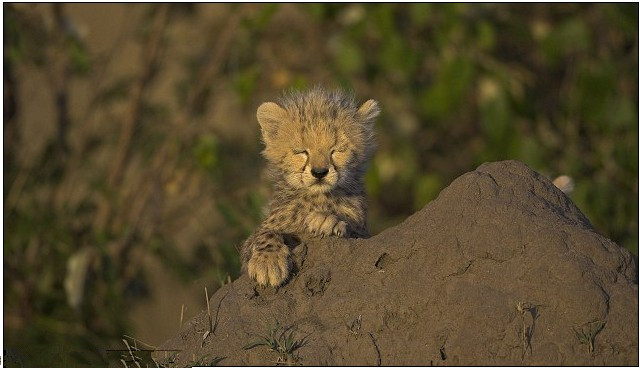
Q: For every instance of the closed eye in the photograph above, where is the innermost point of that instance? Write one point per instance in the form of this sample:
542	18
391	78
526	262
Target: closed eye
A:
300	151
338	150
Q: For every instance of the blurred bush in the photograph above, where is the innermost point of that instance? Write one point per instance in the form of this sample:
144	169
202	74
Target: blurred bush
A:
133	135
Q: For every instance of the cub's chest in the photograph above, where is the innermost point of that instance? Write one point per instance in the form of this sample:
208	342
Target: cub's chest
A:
345	206
324	203
320	204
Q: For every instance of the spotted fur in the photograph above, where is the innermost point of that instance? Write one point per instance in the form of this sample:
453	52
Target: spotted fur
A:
317	146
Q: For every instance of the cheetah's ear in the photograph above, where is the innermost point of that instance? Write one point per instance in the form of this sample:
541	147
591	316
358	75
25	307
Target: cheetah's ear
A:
368	111
270	115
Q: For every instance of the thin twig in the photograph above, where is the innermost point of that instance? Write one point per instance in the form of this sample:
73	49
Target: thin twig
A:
132	119
166	161
204	78
151	52
101	65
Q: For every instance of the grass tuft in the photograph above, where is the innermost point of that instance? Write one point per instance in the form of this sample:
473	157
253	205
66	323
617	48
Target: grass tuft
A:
280	340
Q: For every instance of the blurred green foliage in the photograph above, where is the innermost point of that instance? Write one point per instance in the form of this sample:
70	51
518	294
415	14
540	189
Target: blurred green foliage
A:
552	85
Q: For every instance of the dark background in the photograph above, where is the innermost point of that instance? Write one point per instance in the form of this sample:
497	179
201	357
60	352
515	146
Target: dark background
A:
131	160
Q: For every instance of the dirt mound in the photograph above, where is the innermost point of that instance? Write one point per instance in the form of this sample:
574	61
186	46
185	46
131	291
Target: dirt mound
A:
501	269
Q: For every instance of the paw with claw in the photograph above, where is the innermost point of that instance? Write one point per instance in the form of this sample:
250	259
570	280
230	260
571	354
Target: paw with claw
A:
323	224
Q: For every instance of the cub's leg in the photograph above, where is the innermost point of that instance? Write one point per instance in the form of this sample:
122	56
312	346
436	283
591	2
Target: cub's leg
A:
266	258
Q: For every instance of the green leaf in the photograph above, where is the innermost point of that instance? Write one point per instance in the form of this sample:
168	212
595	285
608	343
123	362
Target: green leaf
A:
496	119
228	214
622	114
486	35
570	37
372	180
206	151
349	56
420	13
252	345
262	17
245	82
80	61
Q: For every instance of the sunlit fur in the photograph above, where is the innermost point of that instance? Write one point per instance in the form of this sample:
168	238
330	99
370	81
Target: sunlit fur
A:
321	130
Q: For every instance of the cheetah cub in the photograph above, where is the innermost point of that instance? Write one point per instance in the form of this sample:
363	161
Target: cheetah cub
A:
317	145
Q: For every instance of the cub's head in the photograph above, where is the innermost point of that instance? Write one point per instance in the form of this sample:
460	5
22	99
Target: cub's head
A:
318	140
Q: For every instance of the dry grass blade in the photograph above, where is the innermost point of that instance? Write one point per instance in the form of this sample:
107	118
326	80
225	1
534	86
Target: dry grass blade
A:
209	331
139	341
181	316
206	294
134	358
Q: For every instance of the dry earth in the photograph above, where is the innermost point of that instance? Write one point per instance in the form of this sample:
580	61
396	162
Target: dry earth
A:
501	269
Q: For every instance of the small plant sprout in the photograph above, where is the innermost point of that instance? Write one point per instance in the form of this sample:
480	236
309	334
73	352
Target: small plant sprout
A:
527	327
586	334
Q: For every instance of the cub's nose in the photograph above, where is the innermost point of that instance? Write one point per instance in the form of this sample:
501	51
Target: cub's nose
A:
319	173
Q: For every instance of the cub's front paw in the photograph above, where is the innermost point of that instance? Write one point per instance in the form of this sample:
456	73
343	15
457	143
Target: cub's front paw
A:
320	224
270	268
323	224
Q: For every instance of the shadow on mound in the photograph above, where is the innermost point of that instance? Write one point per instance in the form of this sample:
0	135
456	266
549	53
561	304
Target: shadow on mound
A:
501	269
